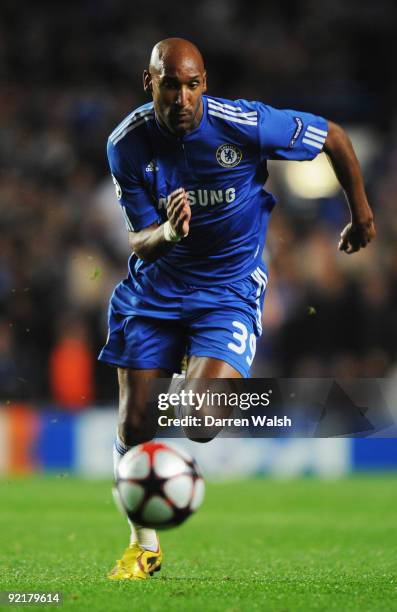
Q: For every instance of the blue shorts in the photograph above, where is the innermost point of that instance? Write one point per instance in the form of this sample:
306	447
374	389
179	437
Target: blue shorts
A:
154	320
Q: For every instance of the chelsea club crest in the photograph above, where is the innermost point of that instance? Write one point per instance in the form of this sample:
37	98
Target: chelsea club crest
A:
228	155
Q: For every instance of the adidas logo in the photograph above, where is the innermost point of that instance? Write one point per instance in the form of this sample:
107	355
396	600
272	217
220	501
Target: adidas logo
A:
151	167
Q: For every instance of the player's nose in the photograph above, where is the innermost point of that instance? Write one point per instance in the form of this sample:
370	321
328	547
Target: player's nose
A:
183	97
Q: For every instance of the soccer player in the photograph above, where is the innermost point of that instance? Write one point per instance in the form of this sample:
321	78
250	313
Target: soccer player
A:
189	172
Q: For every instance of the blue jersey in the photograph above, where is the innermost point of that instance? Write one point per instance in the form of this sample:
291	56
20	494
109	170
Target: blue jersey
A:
222	166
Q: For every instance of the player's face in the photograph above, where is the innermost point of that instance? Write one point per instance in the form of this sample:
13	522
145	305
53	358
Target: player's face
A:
177	97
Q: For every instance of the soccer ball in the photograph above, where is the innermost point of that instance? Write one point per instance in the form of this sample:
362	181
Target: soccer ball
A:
158	486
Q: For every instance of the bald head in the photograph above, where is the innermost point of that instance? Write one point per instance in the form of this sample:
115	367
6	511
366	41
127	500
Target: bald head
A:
176	79
175	53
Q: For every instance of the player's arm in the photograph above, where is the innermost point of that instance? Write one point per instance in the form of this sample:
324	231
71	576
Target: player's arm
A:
361	230
295	135
147	238
154	241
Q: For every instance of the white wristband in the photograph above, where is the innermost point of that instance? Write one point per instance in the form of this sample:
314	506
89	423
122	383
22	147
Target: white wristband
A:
169	234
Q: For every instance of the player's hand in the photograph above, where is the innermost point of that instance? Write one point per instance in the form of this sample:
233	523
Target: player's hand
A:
179	212
356	236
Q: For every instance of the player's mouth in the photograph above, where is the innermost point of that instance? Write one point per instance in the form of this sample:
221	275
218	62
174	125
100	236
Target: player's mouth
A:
181	114
182	117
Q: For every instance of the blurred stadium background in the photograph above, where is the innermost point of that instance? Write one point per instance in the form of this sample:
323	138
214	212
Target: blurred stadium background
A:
70	72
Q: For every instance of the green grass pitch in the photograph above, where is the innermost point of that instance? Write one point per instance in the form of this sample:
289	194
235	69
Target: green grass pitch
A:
257	544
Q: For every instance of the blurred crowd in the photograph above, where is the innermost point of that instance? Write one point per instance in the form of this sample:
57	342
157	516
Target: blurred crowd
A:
72	72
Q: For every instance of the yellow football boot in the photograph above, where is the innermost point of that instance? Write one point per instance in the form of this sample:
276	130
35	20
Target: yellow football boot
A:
136	564
146	564
125	565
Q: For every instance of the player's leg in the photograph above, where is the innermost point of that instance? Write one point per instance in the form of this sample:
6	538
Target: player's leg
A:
135	425
143	555
143	349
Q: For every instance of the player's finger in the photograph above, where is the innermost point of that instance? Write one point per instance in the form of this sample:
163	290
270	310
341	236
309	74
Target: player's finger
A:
353	248
177	194
175	197
360	242
187	216
179	197
176	191
183	216
344	241
178	218
174	209
348	246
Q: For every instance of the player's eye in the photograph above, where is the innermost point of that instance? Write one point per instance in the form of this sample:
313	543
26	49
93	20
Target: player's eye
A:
170	84
194	85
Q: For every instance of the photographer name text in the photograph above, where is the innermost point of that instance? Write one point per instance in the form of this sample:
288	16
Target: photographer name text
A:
211	421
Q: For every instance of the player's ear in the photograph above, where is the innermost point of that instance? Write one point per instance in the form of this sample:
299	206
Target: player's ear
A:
204	82
147	81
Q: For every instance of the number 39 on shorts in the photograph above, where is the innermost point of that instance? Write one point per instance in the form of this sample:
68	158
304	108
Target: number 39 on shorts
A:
240	346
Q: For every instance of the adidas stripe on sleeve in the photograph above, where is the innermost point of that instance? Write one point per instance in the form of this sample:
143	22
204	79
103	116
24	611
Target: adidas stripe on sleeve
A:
290	134
132	121
233	114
